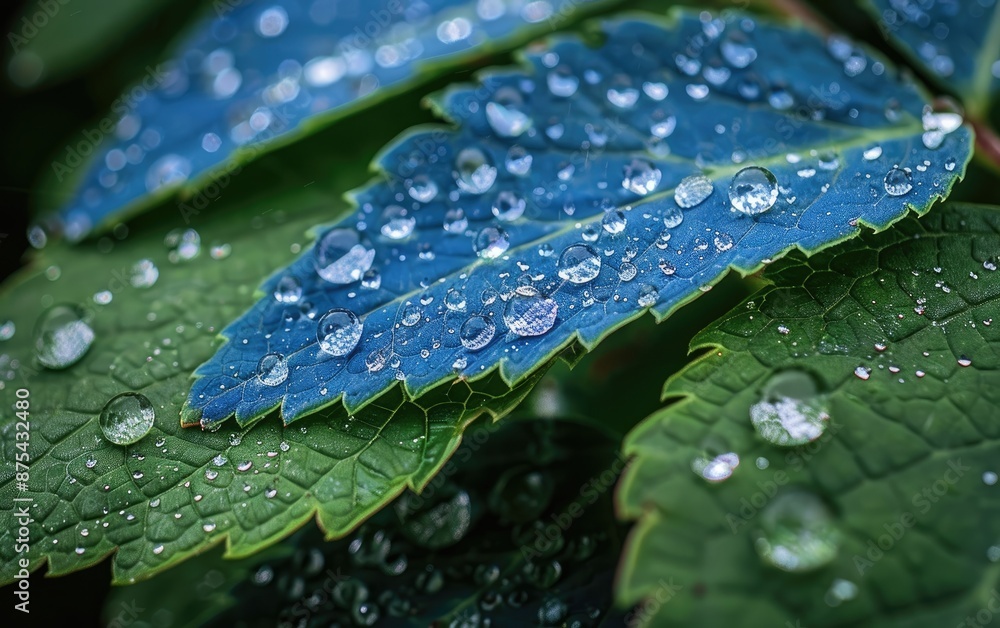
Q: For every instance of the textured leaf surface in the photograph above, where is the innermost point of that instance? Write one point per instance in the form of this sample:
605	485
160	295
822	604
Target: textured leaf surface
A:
255	74
177	492
610	133
957	42
453	554
904	465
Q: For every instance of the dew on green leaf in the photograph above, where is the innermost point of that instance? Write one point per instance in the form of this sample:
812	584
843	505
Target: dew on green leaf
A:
796	532
338	332
791	411
62	336
127	418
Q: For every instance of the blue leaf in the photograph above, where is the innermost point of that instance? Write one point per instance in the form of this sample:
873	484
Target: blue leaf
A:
957	42
260	73
568	178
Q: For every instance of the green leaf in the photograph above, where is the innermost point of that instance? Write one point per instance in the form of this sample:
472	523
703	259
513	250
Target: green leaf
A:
553	213
473	547
177	492
252	76
956	42
892	336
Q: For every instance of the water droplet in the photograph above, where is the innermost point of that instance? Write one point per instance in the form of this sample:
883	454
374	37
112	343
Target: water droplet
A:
627	271
272	369
371	280
7	330
614	222
62	336
126	418
491	242
454	300
797	533
340	258
562	82
518	161
753	190
898	181
579	264
737	51
411	315
143	274
791	412
717	469
530	314
504	116
624	97
647	296
435	522
475	173
963	361
288	290
863	372
641	177
397	223
477	332
339	332
664	128
692	191
421	188
508	206
872	153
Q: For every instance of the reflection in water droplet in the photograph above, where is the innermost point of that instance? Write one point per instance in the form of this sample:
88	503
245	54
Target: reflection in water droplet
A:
530	314
898	181
797	533
791	412
579	264
126	418
491	242
477	332
397	223
753	190
716	469
474	172
288	290
508	206
272	369
693	190
641	177
340	257
338	332
518	161
614	222
62	336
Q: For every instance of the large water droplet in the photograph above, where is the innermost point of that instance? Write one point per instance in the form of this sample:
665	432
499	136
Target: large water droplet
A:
518	161
62	336
508	206
474	172
491	242
791	412
693	190
562	82
898	182
272	369
422	188
504	116
797	533
126	418
288	290
397	223
641	177
579	264
753	190
477	332
530	313
339	332
340	257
